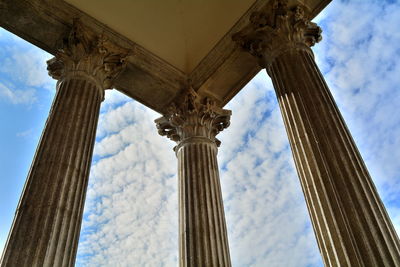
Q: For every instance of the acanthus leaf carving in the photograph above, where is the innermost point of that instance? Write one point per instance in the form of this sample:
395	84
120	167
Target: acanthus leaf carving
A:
190	117
86	53
276	29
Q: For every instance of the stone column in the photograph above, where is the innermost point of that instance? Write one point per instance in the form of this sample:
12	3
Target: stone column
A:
47	222
193	125
349	219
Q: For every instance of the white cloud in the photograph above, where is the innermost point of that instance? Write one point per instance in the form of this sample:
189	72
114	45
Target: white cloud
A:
114	99
265	209
24	67
25	64
131	210
113	120
25	133
363	73
31	65
16	96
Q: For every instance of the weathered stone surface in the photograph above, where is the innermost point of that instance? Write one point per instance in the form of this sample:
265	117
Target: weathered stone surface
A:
193	125
147	78
349	219
86	55
276	30
46	226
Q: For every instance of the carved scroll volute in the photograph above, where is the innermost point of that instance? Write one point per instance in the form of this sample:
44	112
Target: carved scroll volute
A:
87	54
189	117
277	29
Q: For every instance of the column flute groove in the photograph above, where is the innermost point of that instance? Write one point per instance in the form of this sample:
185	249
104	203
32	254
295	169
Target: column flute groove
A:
70	170
48	199
205	209
78	144
349	219
371	216
193	124
73	233
47	222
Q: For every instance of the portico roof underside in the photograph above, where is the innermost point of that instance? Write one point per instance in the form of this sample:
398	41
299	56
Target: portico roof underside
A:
193	51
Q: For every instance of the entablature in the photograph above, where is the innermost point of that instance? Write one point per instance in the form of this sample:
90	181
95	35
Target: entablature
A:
147	78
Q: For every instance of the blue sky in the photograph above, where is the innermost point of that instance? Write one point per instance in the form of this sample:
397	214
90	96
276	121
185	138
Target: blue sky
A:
131	209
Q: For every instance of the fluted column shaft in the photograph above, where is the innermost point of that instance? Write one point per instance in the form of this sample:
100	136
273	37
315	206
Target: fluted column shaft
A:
193	124
46	227
202	232
349	219
350	222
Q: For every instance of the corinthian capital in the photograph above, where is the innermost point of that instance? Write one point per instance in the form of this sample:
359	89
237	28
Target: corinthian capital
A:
190	117
87	54
277	29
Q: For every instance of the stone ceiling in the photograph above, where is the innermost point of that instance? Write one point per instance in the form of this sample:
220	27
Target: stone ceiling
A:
174	43
181	32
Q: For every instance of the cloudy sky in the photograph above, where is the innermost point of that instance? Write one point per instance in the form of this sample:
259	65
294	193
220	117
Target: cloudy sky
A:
131	211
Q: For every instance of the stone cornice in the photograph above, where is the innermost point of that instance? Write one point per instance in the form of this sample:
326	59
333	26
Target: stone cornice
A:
89	55
276	30
146	78
190	118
